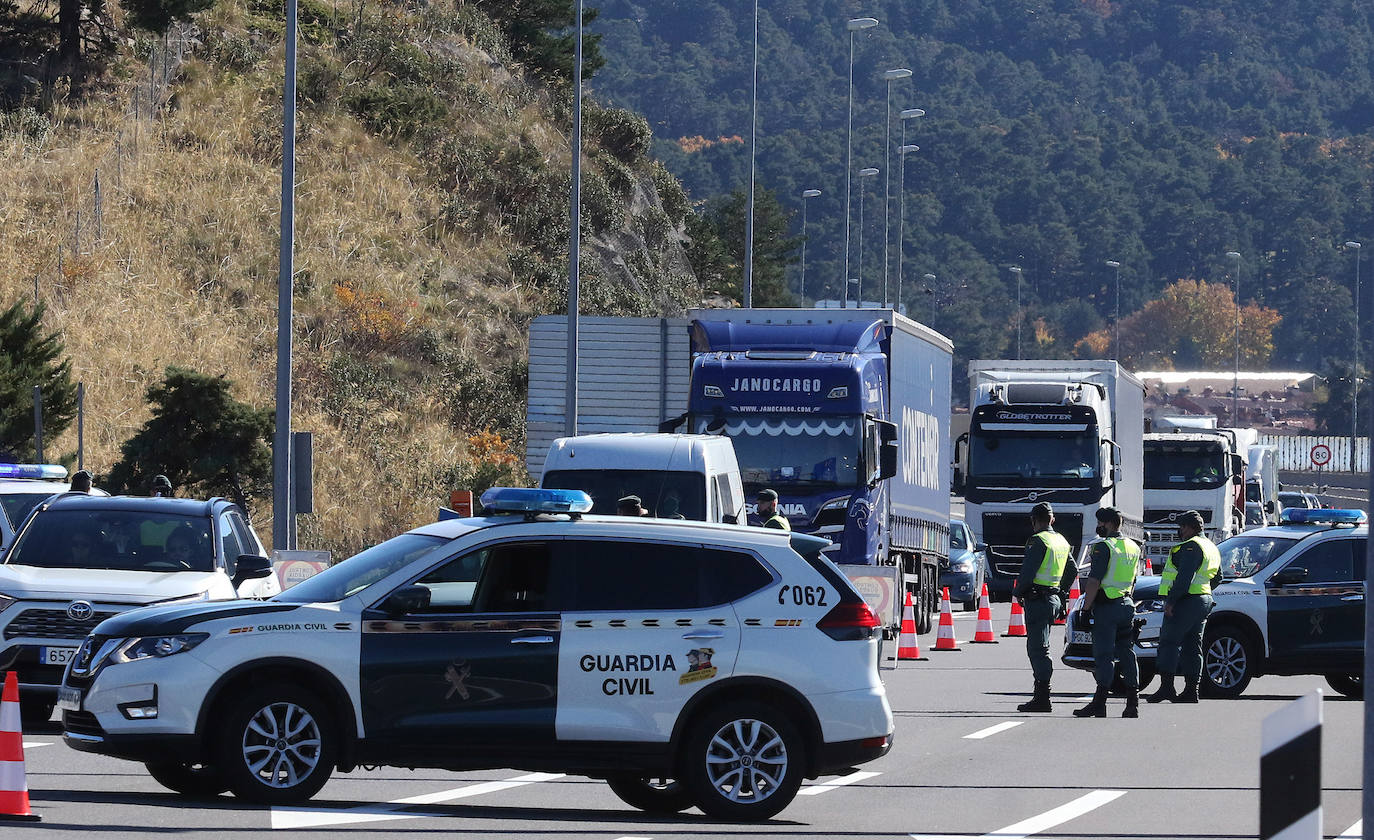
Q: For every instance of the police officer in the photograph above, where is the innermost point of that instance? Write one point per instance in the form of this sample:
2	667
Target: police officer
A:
630	506
1186	587
768	511
1046	573
1107	596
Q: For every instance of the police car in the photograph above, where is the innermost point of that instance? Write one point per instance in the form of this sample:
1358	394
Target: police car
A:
685	663
22	488
1293	603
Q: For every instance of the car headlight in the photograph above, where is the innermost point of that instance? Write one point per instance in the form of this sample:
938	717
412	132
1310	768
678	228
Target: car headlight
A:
146	647
5	601
1150	605
962	566
842	503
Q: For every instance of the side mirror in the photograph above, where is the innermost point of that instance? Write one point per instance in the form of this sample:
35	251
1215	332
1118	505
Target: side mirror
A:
958	485
251	567
406	600
959	444
982	548
1269	507
729	519
1292	574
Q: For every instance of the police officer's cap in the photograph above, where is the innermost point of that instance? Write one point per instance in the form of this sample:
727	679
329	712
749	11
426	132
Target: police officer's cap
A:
1109	514
1042	511
1193	518
767	495
628	501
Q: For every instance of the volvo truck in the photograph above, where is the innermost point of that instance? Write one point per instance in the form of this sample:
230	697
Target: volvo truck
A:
1064	432
1202	470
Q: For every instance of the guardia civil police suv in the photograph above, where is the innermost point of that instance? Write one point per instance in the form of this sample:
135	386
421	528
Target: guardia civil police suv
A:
685	663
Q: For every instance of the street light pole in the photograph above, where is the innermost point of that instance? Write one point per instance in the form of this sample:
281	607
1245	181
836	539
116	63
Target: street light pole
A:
854	25
1016	269
1355	365
753	126
282	520
1116	319
1235	384
904	116
889	76
805	195
859	291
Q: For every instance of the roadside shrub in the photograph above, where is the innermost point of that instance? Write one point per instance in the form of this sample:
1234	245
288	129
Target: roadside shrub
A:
670	193
487	400
490	461
397	111
623	133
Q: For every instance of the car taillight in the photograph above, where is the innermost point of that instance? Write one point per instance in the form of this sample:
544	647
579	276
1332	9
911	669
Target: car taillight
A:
849	621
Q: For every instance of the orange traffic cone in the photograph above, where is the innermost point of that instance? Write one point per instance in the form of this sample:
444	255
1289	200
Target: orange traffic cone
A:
984	634
908	646
1074	593
14	791
1017	626
944	640
1149	566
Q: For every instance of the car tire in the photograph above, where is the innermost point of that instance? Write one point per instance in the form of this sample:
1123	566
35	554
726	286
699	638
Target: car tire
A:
655	795
1229	658
291	769
726	786
35	712
188	779
1347	684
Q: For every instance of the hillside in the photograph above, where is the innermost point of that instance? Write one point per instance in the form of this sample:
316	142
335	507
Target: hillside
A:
1059	134
431	227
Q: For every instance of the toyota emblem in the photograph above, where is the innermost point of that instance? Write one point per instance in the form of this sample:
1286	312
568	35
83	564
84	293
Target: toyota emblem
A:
80	611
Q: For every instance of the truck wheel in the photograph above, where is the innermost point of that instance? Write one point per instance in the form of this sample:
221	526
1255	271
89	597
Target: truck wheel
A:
655	795
929	605
744	762
1347	684
188	779
1228	661
278	745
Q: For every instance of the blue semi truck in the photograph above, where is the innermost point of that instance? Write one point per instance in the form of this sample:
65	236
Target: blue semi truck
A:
843	412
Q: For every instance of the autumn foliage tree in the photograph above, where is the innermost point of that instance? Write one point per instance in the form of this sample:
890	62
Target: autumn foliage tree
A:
1192	325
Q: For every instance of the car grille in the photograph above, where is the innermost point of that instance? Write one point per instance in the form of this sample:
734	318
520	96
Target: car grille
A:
51	624
81	723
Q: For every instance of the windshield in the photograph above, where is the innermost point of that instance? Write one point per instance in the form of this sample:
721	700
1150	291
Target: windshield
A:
956	538
1254	514
800	455
1184	466
1252	492
1242	556
361	570
668	495
125	540
1068	454
18	505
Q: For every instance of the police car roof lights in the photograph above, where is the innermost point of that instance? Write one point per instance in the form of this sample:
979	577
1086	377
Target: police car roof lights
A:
1322	516
42	472
535	500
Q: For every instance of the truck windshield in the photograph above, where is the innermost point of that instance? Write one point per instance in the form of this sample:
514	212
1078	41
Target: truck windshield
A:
1184	466
1012	455
796	454
665	494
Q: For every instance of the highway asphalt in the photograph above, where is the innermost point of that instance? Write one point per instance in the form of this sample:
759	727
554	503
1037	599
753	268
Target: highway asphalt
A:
965	763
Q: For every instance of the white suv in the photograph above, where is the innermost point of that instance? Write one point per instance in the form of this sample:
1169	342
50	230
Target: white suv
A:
684	663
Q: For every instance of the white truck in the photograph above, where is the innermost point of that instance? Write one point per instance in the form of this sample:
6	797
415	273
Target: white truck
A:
1199	469
1262	484
1064	432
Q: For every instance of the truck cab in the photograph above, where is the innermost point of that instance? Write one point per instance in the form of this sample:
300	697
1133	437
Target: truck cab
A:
1186	471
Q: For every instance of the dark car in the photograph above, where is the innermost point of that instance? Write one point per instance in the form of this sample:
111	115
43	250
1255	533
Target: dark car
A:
967	567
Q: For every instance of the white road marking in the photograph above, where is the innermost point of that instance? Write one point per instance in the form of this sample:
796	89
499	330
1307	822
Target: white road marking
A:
29	744
1355	831
633	837
993	730
822	787
1042	822
299	817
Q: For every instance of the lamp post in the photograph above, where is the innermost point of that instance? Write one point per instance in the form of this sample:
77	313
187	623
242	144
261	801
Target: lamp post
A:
859	291
1016	269
854	25
1116	319
805	195
282	520
1355	364
908	114
934	295
1235	373
889	76
574	239
749	215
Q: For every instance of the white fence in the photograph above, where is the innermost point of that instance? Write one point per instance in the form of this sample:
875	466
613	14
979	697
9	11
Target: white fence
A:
1296	453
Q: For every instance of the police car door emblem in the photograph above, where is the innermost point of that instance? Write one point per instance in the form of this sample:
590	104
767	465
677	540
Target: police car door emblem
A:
80	610
1317	628
454	675
700	668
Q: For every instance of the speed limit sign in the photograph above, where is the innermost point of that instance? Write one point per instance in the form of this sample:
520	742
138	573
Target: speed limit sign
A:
1321	455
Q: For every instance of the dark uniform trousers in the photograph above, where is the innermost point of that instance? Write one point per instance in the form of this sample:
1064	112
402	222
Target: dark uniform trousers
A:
1113	636
1040	613
1180	638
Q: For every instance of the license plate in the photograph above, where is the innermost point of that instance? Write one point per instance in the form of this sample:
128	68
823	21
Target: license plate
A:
69	699
57	655
1081	637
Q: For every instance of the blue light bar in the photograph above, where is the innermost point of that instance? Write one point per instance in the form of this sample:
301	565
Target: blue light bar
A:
44	472
1322	516
535	500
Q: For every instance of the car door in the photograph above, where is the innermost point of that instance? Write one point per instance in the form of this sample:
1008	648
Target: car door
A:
475	668
1318	620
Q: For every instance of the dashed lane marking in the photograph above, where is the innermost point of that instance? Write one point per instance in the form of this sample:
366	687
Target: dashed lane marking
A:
993	730
822	787
295	817
31	744
1355	831
1041	822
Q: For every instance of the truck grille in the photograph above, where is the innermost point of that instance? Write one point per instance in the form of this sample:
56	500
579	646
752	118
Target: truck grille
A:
1165	518
51	624
1006	535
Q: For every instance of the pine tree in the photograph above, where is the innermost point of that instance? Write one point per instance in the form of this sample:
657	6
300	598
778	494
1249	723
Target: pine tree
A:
29	357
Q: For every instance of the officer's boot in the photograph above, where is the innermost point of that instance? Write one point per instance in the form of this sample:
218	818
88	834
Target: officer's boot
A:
1189	694
1040	700
1132	704
1166	690
1097	707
